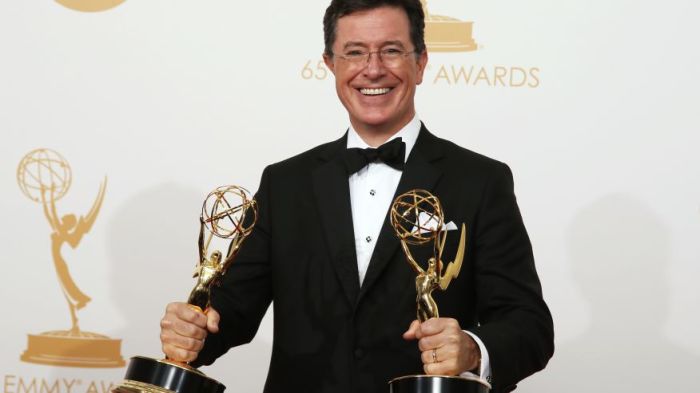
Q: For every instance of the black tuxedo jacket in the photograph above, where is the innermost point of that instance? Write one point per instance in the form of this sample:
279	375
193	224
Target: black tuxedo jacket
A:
333	335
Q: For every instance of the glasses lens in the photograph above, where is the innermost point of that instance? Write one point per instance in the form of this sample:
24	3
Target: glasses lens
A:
390	58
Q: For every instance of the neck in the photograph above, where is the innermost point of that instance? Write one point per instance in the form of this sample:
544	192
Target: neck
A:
373	139
376	136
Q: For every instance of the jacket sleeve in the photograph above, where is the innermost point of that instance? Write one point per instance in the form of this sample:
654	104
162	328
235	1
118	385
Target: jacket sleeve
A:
514	321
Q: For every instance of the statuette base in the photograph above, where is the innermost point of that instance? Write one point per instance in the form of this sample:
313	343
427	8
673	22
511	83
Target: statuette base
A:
438	384
73	348
146	375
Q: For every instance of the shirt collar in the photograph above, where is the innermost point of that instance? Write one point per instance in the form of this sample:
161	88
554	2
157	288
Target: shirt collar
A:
408	134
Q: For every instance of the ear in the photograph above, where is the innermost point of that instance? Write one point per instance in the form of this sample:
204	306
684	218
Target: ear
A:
329	63
421	63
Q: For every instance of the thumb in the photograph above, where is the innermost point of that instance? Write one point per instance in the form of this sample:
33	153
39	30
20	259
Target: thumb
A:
410	334
213	318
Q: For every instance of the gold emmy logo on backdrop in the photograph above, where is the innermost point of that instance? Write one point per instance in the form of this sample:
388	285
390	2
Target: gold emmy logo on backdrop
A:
44	176
90	5
447	34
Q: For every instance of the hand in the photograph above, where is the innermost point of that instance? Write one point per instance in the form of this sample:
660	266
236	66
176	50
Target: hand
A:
183	330
445	348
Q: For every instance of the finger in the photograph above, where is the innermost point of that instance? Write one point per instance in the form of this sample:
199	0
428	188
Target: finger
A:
437	325
441	355
194	315
191	330
430	342
213	319
182	328
168	337
427	357
447	367
446	337
456	354
178	354
185	312
410	334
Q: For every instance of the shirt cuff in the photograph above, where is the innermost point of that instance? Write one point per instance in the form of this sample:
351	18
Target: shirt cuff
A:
485	366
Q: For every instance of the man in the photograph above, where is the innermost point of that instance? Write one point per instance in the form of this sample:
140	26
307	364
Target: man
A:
324	253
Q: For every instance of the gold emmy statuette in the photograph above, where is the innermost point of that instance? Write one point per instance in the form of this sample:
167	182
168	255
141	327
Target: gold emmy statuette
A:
418	220
228	214
44	176
447	34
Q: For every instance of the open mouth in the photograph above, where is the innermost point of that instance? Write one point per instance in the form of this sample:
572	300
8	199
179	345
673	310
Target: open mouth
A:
375	92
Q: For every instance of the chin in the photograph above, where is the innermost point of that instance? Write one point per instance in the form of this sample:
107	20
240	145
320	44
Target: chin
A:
374	119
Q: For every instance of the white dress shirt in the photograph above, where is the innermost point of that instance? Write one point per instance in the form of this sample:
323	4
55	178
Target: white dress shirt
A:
372	189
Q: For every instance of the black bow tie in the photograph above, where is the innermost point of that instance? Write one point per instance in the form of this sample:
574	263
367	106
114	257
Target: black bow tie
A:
391	153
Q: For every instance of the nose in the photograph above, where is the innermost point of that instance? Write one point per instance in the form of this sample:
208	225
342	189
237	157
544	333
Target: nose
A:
375	68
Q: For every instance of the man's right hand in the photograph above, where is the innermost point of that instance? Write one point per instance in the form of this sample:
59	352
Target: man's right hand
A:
183	330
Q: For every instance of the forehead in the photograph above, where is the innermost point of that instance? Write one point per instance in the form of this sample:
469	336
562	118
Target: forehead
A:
374	26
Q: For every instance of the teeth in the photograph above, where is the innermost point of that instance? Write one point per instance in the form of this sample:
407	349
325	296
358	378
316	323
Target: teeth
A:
375	92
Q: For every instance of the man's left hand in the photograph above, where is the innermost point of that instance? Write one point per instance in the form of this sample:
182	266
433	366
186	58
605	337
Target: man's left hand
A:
445	348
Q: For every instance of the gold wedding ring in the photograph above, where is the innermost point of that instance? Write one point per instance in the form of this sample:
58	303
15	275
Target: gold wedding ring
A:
435	356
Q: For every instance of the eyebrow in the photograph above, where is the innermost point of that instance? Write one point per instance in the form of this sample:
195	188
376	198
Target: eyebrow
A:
359	43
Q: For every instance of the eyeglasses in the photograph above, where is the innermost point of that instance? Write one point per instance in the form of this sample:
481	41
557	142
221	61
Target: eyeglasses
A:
389	57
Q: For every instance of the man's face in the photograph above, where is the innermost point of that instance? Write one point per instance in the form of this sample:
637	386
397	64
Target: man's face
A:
378	98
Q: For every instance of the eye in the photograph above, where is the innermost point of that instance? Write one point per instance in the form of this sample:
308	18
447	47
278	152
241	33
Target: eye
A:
392	52
354	53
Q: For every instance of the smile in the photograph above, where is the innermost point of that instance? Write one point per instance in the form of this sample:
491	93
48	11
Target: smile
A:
375	92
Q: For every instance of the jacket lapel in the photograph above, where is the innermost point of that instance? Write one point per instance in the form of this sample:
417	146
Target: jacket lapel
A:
332	193
419	172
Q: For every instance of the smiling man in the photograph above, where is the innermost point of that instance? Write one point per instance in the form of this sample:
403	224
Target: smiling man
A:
324	254
377	68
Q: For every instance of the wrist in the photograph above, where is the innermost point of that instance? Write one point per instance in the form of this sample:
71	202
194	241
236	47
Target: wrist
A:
477	367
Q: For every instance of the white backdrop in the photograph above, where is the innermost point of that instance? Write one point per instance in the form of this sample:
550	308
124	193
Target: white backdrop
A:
169	99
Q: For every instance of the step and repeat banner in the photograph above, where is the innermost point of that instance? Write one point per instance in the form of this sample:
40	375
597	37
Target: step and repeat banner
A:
119	116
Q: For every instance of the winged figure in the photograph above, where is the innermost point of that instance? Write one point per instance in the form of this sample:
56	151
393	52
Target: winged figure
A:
432	278
68	229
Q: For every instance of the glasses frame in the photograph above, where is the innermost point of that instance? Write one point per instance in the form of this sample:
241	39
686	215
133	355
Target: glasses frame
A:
364	59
